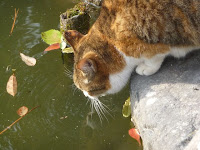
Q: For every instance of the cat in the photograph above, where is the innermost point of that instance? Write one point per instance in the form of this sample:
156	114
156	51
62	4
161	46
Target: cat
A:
132	34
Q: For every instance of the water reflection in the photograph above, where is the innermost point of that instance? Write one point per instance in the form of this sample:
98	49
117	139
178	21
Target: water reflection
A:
49	85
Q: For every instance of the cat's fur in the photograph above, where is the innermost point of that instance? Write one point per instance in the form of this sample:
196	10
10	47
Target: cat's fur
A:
132	34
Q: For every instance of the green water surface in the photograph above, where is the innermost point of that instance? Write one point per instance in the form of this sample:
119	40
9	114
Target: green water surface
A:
63	121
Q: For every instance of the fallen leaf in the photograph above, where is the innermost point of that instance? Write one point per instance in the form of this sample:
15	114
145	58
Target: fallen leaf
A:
30	61
12	85
17	120
68	50
52	36
22	111
135	134
53	47
126	110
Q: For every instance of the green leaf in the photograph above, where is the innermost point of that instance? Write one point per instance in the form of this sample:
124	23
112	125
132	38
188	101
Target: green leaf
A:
51	36
126	111
68	50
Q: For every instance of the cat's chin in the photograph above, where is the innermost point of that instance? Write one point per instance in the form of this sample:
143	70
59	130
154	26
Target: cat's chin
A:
92	97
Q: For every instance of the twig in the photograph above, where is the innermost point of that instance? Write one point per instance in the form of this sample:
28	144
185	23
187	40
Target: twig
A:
17	120
16	12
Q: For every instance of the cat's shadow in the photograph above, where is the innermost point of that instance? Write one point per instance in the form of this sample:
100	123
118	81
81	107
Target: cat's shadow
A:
183	70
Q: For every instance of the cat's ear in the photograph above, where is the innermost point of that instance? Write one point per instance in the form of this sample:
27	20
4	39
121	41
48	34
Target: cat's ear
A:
88	67
73	37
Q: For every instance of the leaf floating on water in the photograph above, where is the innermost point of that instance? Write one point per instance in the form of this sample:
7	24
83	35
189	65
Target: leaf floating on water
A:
12	85
68	50
53	47
17	120
126	111
30	61
51	36
135	134
22	111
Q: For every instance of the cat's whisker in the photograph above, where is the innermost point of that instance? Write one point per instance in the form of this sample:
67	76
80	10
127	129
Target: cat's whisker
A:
100	108
98	112
88	101
75	89
105	109
68	72
92	105
73	86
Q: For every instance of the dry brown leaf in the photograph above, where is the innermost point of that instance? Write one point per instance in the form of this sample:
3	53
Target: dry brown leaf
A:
12	85
30	61
22	111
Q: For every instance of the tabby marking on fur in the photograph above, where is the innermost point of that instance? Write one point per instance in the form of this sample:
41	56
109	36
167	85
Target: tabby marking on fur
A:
132	34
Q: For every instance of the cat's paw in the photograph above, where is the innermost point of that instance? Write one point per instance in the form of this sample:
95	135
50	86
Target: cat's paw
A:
143	69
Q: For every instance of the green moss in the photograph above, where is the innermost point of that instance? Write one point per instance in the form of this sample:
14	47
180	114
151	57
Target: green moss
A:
80	18
77	10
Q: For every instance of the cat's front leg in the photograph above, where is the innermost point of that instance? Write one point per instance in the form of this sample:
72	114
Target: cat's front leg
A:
150	66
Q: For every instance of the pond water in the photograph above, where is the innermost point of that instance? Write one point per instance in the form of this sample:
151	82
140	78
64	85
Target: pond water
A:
63	120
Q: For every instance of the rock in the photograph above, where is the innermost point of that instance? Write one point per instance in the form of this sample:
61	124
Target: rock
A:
166	105
94	2
81	17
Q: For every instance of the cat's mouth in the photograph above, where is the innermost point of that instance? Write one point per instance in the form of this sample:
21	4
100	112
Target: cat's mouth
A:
95	92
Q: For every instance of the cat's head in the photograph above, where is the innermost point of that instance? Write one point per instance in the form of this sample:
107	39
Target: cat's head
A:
95	61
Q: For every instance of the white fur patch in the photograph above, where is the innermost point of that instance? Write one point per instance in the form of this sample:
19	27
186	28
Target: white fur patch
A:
151	65
87	95
120	79
181	51
146	66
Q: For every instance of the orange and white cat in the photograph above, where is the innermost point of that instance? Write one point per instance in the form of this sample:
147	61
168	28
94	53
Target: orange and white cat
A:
132	34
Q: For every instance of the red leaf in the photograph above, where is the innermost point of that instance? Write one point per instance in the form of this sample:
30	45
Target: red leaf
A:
53	47
135	134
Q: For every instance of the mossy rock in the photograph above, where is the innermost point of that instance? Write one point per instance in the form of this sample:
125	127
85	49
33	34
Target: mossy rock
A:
78	22
81	17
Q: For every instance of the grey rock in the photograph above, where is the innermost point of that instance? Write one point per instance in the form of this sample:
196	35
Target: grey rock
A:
166	105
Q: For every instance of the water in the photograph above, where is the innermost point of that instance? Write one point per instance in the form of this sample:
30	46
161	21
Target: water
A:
47	85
